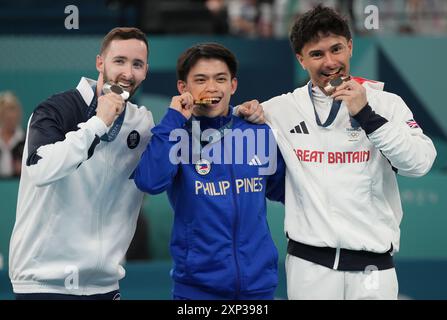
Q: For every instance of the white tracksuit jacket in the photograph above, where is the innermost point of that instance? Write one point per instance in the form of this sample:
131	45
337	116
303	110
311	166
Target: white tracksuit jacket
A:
77	204
341	187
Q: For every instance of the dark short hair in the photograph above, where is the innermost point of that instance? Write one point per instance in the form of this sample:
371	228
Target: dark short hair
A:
123	33
320	21
209	50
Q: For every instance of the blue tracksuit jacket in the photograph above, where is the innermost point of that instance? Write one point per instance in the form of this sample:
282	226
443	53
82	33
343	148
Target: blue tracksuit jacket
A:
220	242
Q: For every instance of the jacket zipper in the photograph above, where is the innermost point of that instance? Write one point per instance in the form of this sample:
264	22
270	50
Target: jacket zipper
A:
235	227
100	206
101	210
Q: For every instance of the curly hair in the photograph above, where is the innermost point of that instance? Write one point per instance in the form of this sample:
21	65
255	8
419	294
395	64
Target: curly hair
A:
315	23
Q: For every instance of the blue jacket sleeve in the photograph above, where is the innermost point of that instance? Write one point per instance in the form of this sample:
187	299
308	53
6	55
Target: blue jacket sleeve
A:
276	183
159	163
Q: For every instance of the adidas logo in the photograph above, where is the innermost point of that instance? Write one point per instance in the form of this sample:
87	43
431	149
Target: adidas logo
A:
255	161
300	128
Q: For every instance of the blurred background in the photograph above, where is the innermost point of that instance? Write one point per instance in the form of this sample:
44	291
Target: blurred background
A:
40	56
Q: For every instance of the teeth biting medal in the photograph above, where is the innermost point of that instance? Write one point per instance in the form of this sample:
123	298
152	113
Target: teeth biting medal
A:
109	87
206	101
334	83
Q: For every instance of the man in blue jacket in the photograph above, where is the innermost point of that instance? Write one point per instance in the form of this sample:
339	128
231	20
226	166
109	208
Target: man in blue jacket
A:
217	176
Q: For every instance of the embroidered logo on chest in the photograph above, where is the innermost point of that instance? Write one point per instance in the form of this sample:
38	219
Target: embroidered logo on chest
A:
133	139
203	167
353	134
354	131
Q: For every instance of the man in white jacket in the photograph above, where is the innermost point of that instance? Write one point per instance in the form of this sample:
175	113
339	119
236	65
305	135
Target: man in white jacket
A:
343	150
77	204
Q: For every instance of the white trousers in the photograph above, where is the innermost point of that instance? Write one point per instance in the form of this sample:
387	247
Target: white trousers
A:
309	281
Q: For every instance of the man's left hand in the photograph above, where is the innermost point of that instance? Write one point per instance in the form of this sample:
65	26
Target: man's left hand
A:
251	111
353	94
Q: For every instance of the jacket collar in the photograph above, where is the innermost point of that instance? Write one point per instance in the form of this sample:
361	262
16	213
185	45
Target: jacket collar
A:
216	122
85	88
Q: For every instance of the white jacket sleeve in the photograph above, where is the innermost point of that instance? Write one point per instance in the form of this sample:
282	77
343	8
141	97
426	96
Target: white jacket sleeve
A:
399	137
59	159
60	137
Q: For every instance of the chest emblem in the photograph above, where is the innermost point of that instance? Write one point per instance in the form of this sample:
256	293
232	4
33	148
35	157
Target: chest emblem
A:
203	167
300	128
353	134
354	131
133	139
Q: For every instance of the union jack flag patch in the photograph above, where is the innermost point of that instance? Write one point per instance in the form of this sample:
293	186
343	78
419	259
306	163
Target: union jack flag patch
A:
412	124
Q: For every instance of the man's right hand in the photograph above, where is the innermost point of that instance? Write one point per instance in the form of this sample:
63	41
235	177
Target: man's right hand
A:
251	111
183	103
110	107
